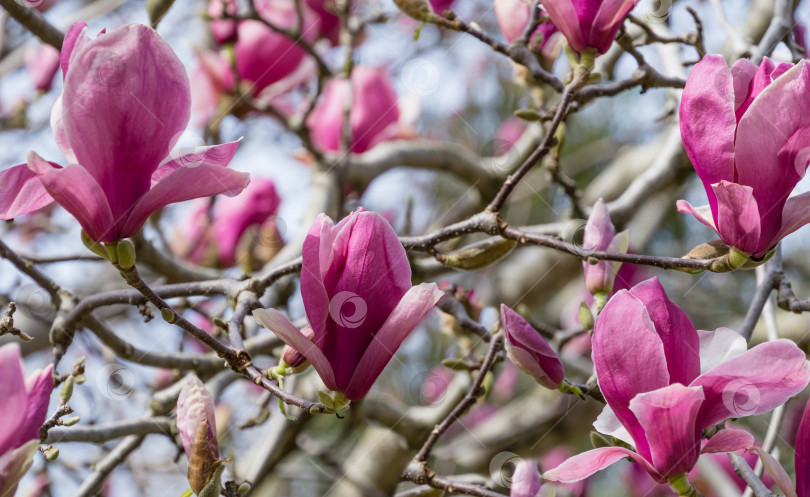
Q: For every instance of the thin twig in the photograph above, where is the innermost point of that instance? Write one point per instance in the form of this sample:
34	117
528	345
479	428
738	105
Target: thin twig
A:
34	22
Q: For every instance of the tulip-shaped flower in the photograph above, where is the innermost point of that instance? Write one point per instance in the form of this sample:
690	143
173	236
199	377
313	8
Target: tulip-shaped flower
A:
529	351
197	425
374	115
748	136
124	106
356	287
665	382
256	206
588	23
23	409
525	480
600	235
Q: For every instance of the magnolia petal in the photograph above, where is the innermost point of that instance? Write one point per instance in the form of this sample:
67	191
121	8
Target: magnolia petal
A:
738	218
13	466
12	391
777	472
525	480
39	395
79	193
21	192
719	346
59	133
607	22
276	322
609	424
795	215
707	109
584	465
214	155
803	455
755	382
317	257
669	419
729	440
75	38
563	14
400	323
184	183
702	213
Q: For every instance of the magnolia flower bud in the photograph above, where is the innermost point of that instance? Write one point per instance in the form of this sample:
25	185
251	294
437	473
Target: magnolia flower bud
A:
527	349
294	359
479	255
525	480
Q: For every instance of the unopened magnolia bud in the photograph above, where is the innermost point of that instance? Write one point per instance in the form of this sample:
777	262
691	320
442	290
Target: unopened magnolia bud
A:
416	9
157	9
709	250
201	460
93	245
530	115
51	453
479	255
67	390
214	486
80	378
71	421
244	488
456	364
586	318
292	358
168	315
125	250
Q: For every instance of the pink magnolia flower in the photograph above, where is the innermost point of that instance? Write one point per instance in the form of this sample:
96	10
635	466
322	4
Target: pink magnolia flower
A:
195	407
356	287
270	60
525	479
374	115
600	235
42	63
513	16
588	23
22	412
329	21
665	382
210	82
747	136
222	29
529	351
124	105
232	217
802	457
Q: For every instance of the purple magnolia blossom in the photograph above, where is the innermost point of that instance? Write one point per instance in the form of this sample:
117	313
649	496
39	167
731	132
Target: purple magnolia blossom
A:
374	116
194	408
529	351
23	409
588	23
803	455
600	235
42	63
124	106
358	297
665	382
256	206
525	480
747	136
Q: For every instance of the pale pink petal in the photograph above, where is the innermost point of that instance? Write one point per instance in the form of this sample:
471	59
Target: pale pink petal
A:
777	472
21	192
214	155
719	346
407	314
79	193
795	215
12	391
755	382
563	15
13	466
669	419
75	38
525	480
702	214
729	440
194	407
281	326
184	183
609	424
584	465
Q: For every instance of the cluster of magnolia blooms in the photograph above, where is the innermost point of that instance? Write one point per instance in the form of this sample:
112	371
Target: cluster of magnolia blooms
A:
663	381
